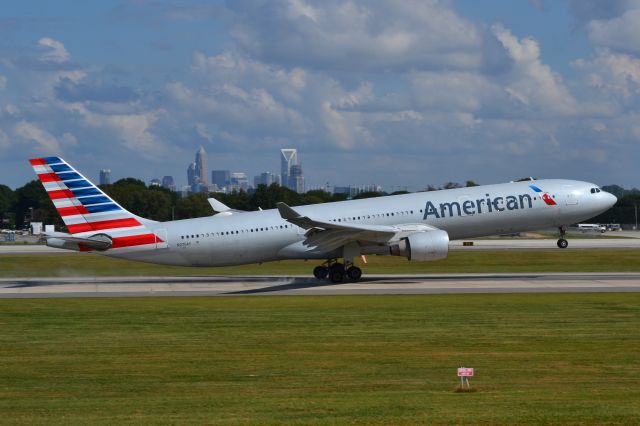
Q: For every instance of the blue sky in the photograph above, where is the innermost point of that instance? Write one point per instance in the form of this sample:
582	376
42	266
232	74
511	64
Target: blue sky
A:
395	93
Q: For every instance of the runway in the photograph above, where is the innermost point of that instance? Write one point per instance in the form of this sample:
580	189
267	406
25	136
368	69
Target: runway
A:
298	285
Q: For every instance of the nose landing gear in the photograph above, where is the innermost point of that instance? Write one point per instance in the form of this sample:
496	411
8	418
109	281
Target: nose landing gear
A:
562	242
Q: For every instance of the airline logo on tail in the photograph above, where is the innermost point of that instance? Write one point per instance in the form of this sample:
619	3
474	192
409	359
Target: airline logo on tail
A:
85	209
544	195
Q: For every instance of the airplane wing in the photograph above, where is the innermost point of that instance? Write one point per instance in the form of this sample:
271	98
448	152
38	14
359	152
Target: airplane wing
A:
327	236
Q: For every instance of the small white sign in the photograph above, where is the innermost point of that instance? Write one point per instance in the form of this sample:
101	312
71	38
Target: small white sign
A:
465	372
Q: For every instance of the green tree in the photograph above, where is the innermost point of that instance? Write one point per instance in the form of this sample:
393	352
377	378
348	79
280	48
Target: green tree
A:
369	194
194	205
153	203
7	201
33	203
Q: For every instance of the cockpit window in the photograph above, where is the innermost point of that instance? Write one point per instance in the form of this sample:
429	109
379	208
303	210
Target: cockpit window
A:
595	190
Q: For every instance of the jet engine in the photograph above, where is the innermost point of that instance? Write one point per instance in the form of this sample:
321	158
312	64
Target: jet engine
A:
422	246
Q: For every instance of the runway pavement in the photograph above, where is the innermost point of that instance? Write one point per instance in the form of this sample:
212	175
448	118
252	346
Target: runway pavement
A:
297	285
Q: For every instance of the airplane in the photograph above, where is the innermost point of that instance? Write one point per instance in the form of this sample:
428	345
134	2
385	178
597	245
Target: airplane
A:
417	226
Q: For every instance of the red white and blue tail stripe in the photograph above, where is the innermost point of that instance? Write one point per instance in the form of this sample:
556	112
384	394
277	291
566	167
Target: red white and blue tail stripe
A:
86	210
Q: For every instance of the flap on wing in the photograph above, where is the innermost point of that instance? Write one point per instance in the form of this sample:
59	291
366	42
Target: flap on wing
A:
305	222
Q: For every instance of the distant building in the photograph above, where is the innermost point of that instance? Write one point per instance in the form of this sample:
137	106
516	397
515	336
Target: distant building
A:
191	175
352	191
288	158
291	174
202	166
266	178
221	178
169	183
154	182
296	179
105	177
239	181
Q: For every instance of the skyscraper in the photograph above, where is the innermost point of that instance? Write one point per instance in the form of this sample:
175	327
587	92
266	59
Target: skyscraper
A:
105	176
191	174
169	183
296	178
220	177
202	167
266	178
289	157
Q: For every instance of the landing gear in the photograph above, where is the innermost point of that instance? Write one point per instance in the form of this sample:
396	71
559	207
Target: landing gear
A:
320	272
354	273
562	242
337	272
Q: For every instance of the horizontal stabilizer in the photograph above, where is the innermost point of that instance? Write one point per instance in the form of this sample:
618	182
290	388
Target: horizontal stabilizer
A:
98	242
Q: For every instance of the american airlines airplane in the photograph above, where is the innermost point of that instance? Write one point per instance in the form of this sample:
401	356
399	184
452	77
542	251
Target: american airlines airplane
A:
417	226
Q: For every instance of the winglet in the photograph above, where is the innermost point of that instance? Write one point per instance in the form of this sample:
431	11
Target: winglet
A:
286	212
218	206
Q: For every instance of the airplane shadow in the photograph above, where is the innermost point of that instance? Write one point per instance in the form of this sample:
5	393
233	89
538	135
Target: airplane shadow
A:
295	284
304	283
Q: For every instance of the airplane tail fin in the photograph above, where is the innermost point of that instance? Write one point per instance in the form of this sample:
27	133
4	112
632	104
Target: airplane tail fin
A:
86	211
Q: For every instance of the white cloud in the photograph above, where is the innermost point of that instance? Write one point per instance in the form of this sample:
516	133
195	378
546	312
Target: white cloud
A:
359	35
45	142
531	82
614	73
54	50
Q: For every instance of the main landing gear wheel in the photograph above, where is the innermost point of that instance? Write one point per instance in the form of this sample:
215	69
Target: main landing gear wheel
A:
336	273
354	273
320	272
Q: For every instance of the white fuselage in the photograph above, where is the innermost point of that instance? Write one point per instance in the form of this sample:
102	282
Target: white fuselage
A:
262	236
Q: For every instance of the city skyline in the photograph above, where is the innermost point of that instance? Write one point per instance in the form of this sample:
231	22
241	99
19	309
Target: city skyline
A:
229	181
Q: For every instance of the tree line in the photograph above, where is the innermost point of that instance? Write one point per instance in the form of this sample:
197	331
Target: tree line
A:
31	203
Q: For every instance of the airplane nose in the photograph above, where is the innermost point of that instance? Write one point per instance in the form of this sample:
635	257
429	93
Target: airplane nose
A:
610	199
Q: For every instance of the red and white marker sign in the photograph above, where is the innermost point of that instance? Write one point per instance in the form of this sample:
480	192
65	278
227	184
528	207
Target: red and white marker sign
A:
465	372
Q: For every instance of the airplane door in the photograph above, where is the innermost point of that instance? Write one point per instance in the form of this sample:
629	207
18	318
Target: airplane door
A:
572	199
162	240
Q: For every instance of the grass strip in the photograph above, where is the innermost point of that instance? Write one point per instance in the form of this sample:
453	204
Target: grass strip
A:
539	359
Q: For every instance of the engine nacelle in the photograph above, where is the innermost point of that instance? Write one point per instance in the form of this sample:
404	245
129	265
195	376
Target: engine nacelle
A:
422	246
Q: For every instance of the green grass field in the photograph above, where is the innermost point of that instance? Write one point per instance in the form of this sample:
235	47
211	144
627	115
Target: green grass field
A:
539	359
554	260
